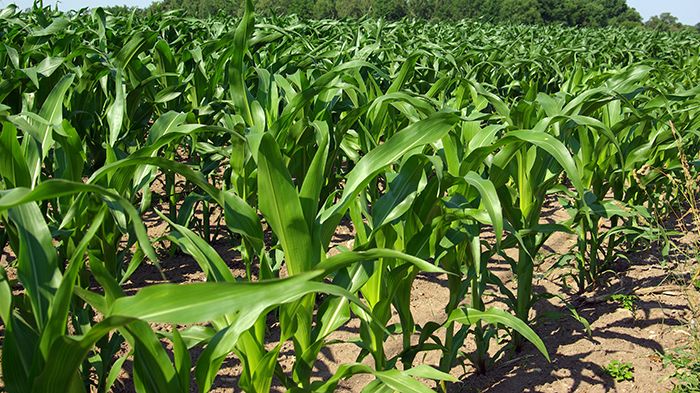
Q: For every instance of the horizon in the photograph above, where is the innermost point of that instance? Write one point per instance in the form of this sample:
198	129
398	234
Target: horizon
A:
686	11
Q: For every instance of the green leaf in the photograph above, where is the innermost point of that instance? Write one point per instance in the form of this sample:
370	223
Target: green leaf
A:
40	126
401	194
314	179
66	355
242	219
117	110
37	266
490	200
347	258
60	306
13	166
237	69
280	204
556	149
58	25
135	45
201	302
401	382
208	259
182	360
415	135
57	188
427	372
5	297
469	316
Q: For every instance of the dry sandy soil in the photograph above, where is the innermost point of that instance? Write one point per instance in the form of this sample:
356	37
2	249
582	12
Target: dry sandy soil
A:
577	359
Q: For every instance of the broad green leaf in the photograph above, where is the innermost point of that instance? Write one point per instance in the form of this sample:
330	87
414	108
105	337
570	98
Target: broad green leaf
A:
241	218
37	266
556	149
489	199
417	134
116	111
57	188
208	259
401	194
13	166
280	204
314	179
200	302
469	316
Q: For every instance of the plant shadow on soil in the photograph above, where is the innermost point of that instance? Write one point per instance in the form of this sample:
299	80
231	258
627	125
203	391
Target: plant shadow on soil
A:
578	360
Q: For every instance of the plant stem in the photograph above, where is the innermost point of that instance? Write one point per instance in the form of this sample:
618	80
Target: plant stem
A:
524	294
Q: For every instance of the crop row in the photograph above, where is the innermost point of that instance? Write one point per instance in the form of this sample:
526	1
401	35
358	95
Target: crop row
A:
439	144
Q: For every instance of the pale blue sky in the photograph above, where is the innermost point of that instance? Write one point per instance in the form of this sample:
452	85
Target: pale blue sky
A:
687	11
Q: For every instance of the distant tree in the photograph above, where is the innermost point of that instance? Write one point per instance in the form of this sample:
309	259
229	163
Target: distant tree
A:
421	9
446	10
664	22
389	9
697	27
552	11
520	11
120	9
302	8
324	9
629	18
200	8
590	13
213	7
271	7
619	13
594	13
353	8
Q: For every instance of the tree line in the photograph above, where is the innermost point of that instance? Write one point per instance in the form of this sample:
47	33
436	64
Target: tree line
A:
588	13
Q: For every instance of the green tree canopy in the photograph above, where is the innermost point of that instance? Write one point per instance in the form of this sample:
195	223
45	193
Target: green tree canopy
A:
664	22
594	13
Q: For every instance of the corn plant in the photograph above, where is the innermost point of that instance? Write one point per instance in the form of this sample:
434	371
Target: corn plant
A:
440	143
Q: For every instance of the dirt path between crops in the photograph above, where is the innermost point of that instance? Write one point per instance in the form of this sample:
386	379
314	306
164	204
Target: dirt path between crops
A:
638	337
577	359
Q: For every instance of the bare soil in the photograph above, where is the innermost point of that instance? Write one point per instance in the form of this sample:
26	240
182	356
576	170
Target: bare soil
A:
577	364
577	359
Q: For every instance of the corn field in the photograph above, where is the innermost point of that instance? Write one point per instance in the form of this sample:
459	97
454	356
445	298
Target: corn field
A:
438	144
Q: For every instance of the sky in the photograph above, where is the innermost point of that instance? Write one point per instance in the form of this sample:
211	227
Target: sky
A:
687	11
